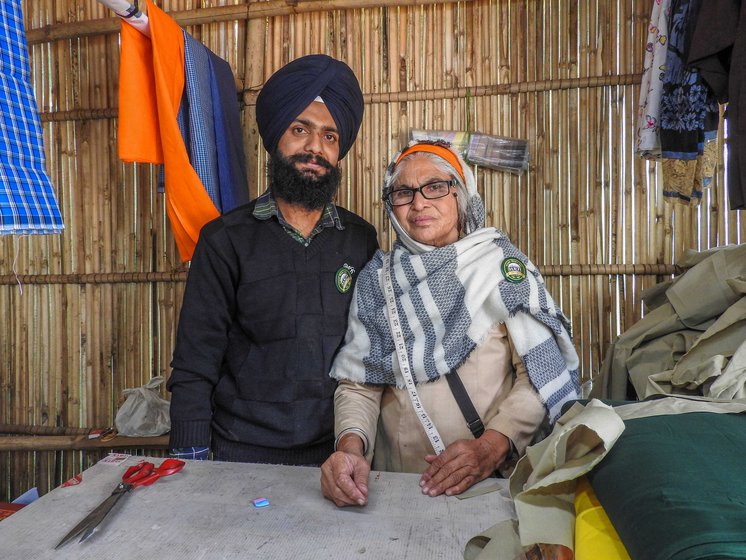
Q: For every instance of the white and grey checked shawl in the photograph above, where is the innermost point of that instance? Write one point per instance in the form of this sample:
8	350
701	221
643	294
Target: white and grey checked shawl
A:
448	300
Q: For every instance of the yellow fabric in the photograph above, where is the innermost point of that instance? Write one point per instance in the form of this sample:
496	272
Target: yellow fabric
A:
544	480
595	536
151	83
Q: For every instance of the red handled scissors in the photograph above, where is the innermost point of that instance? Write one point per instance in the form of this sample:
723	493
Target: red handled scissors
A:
142	474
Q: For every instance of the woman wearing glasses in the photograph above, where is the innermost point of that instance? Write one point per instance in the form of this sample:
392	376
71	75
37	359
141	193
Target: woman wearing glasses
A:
455	352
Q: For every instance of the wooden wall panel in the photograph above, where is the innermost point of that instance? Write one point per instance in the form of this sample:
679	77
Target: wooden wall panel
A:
564	76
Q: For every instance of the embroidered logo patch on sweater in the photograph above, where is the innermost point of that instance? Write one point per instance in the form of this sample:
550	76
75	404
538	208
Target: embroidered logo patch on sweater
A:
343	278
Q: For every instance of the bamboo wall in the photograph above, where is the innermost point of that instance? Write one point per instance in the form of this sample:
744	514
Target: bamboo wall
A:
94	310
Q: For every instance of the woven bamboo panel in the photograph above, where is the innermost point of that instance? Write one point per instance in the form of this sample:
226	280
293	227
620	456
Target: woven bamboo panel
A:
94	310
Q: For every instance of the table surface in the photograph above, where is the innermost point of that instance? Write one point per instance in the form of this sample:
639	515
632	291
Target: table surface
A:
206	512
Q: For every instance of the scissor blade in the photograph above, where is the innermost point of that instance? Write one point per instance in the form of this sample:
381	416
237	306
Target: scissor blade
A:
91	521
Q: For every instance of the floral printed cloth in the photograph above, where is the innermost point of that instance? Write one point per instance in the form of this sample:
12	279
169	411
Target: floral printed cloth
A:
678	113
648	143
689	114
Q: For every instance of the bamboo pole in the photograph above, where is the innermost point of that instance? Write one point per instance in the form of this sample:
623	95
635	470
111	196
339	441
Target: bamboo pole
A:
513	61
420	94
576	190
103	182
48	443
238	12
580	183
43	430
150	277
717	232
594	210
431	64
95	278
365	60
527	65
253	77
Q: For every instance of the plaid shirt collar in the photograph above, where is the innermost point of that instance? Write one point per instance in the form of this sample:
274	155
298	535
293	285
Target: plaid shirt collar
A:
266	207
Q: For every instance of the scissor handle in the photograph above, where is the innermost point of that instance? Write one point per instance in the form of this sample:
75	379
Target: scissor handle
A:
137	472
166	468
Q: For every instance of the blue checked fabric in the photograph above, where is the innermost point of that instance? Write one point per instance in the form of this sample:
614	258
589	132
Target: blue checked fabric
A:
27	201
192	453
197	127
210	125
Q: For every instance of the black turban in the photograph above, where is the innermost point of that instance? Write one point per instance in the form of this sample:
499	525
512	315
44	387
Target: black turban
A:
293	87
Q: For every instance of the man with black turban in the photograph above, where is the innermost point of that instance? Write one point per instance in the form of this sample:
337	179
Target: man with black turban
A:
265	306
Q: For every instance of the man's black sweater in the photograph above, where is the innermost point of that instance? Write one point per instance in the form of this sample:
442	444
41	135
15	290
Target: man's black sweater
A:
262	319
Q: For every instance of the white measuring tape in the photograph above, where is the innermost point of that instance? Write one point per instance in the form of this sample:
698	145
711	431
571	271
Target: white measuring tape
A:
401	354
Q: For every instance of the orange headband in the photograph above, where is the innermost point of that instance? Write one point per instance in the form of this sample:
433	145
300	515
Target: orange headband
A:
439	151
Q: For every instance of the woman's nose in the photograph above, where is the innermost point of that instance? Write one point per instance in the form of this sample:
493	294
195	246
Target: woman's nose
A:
419	200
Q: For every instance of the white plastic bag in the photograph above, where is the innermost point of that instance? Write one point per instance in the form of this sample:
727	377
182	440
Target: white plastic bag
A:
145	412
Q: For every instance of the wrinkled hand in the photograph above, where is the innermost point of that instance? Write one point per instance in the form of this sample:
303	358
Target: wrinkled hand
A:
344	479
464	463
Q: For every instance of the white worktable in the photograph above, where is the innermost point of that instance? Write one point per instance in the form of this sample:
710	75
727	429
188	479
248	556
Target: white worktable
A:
206	511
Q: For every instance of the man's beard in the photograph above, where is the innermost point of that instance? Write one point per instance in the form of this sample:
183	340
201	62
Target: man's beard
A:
306	189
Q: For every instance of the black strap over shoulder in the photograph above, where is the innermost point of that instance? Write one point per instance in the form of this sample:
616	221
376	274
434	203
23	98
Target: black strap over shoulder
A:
464	403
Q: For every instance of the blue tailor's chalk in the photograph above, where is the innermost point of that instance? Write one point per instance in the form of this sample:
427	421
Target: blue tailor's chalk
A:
260	502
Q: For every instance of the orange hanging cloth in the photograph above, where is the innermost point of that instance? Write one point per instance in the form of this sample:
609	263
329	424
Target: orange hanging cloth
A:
151	83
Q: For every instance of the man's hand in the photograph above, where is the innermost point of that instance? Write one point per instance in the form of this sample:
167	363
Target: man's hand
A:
464	463
344	475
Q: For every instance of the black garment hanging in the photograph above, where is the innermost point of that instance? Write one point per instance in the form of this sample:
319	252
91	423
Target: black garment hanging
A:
718	50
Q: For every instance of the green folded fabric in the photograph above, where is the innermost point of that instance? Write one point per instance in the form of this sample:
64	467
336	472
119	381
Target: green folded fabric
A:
675	486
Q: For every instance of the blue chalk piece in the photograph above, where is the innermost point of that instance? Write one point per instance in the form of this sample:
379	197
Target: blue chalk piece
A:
27	497
260	502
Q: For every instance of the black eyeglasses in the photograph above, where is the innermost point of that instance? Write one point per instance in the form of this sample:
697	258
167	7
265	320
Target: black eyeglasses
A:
399	196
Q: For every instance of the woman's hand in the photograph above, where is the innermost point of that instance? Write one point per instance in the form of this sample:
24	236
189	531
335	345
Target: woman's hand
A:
464	463
344	475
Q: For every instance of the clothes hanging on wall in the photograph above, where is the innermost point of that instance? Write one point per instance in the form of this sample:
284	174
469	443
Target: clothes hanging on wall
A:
228	135
678	114
689	114
210	125
164	81
648	144
718	51
28	204
195	117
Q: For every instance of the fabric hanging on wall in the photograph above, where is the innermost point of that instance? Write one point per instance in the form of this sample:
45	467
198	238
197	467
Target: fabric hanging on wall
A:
210	125
718	50
195	117
689	114
648	144
27	200
228	135
151	86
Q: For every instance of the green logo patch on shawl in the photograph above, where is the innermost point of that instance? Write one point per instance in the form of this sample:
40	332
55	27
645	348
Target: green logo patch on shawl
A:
343	278
514	270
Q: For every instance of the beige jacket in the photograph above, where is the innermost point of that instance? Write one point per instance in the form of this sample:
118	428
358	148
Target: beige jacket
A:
494	377
688	342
